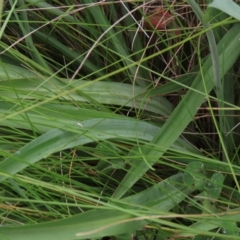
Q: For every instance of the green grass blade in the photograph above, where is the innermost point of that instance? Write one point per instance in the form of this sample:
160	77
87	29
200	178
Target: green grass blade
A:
22	20
3	26
212	46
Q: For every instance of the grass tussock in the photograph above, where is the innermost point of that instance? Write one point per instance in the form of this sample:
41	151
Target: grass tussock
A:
119	120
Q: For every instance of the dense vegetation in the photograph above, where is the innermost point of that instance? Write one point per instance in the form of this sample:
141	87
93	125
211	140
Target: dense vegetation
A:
119	119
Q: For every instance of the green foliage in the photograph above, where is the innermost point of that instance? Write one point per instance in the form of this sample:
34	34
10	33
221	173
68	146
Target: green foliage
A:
111	128
194	175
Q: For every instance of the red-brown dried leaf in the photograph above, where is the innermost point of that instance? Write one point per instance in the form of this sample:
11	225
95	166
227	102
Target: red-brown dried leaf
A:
159	18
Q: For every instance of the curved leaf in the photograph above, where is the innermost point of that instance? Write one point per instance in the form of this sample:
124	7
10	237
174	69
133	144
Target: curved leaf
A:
82	133
119	94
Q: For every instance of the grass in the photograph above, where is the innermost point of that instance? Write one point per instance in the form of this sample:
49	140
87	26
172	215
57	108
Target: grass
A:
113	129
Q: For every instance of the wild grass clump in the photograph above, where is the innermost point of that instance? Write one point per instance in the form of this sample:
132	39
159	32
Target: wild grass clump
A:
119	120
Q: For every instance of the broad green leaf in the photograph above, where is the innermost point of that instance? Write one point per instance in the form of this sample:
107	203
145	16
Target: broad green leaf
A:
230	229
227	6
103	92
195	175
81	133
49	116
213	221
214	186
8	71
162	196
211	193
101	222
